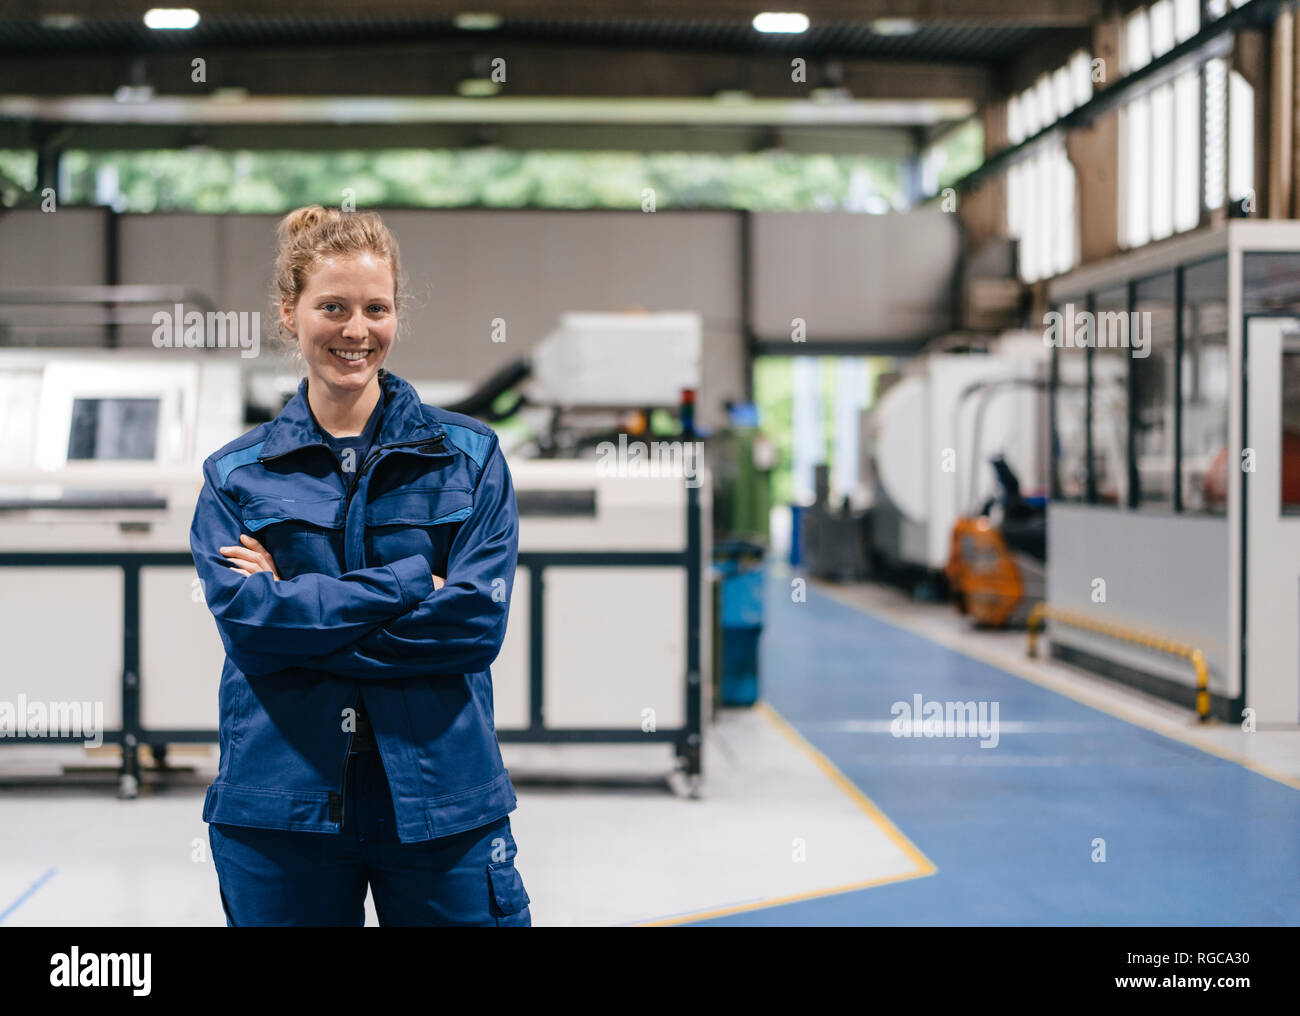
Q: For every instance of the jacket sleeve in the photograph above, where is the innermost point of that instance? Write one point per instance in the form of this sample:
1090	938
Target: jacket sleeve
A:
459	628
268	625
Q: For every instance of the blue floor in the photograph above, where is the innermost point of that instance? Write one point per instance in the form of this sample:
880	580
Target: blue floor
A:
1190	838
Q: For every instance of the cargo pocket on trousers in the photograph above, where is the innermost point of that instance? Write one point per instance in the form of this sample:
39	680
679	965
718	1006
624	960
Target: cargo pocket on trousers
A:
509	898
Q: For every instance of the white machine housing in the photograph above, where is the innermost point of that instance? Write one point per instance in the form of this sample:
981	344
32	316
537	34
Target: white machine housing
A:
621	360
64	624
1226	583
615	637
920	440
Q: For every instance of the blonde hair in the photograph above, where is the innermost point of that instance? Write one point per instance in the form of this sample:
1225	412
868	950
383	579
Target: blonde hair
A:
308	235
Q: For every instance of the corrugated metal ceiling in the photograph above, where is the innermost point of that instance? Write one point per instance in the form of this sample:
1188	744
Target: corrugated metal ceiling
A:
965	43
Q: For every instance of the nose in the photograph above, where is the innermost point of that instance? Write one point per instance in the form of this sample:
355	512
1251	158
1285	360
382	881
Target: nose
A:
356	325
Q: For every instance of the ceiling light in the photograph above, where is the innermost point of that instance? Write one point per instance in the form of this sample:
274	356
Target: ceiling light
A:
894	26
133	93
171	17
831	96
477	21
770	21
477	87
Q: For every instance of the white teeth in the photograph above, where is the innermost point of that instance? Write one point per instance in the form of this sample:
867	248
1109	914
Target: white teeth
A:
350	354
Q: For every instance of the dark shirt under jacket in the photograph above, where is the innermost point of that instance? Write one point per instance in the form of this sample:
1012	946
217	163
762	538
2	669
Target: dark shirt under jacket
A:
363	738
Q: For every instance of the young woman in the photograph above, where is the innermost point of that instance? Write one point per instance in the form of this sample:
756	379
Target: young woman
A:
357	553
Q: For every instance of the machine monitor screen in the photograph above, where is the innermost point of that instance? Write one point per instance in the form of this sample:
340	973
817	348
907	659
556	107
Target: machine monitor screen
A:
113	429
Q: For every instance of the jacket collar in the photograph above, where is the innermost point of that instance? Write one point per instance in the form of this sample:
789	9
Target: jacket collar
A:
403	423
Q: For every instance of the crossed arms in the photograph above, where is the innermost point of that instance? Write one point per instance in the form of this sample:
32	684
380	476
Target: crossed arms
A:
389	621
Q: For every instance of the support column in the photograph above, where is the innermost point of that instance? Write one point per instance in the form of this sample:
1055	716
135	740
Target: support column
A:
1281	122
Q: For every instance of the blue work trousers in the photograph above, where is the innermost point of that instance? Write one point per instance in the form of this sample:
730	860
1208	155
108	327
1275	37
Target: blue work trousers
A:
278	877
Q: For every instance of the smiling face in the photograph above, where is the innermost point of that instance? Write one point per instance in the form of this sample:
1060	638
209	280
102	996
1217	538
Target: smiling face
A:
345	321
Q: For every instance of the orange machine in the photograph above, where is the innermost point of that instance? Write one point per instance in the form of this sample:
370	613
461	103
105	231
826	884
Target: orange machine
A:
983	576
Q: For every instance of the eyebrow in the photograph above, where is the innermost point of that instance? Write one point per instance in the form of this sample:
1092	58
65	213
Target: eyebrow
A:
336	296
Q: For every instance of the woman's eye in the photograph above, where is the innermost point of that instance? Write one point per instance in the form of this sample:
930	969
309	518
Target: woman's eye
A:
380	307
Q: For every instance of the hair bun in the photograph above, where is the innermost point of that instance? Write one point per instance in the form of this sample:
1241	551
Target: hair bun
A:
301	220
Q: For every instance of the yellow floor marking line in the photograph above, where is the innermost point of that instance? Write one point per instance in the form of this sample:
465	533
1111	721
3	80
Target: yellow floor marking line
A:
1022	670
924	866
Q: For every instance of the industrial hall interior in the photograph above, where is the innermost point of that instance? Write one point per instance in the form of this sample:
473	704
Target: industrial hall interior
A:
691	464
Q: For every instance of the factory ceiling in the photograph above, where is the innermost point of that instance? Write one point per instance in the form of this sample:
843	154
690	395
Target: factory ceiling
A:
580	74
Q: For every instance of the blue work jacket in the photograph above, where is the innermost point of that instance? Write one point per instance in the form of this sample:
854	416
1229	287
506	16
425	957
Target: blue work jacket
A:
355	614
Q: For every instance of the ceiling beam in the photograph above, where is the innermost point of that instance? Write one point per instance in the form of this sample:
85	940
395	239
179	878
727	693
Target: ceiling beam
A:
530	70
882	142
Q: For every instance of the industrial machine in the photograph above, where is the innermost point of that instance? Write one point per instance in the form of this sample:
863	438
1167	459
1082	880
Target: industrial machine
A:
996	569
1190	535
742	458
609	634
927	448
835	536
99	475
610	637
594	377
610	630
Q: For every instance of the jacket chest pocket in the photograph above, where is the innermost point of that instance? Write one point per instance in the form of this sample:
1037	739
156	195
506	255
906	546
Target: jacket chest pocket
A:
303	537
416	521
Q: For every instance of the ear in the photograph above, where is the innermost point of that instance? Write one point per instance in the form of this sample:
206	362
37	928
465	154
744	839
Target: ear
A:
287	317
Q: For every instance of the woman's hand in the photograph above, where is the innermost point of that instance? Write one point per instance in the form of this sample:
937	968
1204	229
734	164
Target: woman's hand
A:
251	557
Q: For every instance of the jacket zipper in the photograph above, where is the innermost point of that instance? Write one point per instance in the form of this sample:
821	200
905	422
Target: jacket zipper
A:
377	452
338	801
342	796
356	708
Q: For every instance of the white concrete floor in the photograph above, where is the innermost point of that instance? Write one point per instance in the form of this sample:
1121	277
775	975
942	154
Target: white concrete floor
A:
606	834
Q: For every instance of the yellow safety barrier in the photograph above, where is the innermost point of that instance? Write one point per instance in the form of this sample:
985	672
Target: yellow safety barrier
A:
1042	612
